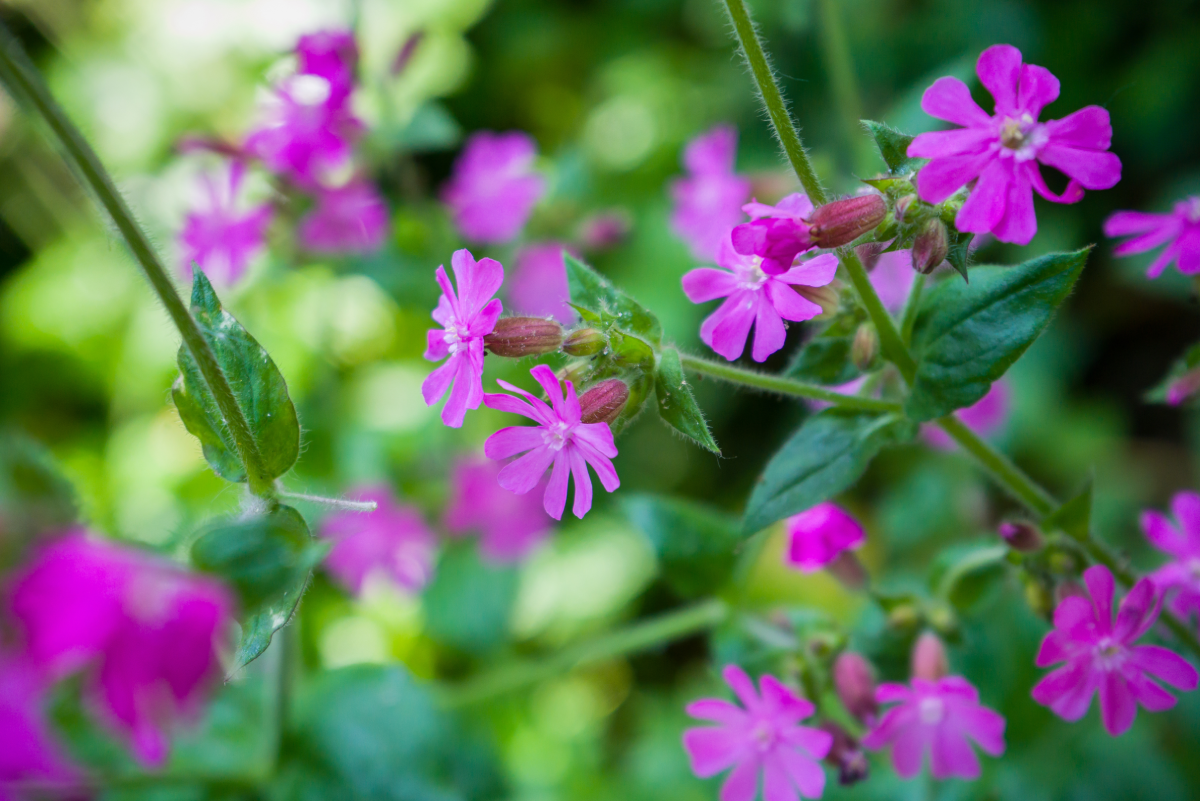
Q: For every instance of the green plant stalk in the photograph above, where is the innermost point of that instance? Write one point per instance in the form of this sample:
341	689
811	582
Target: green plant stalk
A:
23	79
1001	468
889	337
844	85
910	309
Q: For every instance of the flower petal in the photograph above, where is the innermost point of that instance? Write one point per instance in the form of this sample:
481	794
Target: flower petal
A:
742	784
1124	223
726	329
711	750
1087	129
716	709
984	725
817	271
1019	223
523	474
988	200
1186	508
999	70
951	754
742	686
436	348
1166	665
583	482
708	283
949	99
769	331
554	501
805	773
1117	705
1038	89
955	142
1091	168
436	383
1138	611
1099	582
777	784
510	441
598	437
942	177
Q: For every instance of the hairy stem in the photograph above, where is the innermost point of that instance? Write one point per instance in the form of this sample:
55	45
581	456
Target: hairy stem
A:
910	309
333	503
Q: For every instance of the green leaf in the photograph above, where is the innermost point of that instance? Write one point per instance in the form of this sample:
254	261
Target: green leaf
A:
258	387
695	543
967	335
677	406
829	452
469	602
1074	517
959	254
893	147
1182	377
825	357
593	291
966	575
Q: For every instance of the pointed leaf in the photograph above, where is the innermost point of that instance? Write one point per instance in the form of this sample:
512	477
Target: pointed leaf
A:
959	254
593	291
1181	381
893	147
695	543
677	406
1074	517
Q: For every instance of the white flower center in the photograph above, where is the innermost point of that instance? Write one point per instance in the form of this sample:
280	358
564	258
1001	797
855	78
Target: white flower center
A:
309	90
931	710
764	736
1109	655
750	274
456	336
1022	138
557	435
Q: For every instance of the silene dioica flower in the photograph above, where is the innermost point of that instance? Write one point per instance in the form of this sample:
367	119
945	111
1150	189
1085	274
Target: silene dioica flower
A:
708	200
28	752
510	525
1179	231
351	218
1179	580
222	236
538	285
820	535
391	543
493	188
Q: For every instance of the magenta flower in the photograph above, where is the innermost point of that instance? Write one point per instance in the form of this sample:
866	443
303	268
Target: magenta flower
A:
28	751
538	286
754	298
1102	657
1179	580
145	631
763	736
892	276
940	717
985	417
559	440
510	525
1004	150
352	218
1179	230
777	234
494	188
333	56
222	236
708	201
392	543
466	319
818	536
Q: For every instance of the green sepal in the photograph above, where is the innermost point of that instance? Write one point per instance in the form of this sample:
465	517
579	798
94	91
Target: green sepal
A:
1074	517
893	147
610	306
676	404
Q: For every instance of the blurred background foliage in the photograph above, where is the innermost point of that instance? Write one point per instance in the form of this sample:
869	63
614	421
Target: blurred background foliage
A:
611	89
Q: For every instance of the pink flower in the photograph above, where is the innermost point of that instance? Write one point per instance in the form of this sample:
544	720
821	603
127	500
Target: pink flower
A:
391	542
466	319
1101	656
764	736
493	188
559	439
347	219
1004	150
1179	580
28	752
539	283
818	536
776	233
940	717
222	236
144	630
1180	228
754	298
708	201
333	56
510	525
893	276
985	417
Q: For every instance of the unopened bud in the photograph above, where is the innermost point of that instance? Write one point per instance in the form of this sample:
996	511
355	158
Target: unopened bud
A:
605	230
575	372
865	346
929	658
1183	387
902	205
842	221
846	755
515	337
930	247
826	297
869	253
1022	536
855	683
604	402
584	342
846	568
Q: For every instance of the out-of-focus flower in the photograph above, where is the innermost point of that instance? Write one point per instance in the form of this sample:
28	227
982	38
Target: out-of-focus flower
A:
538	285
1179	231
819	535
559	440
333	56
1004	150
892	275
763	736
392	543
754	298
28	752
510	525
605	230
1101	657
1179	580
223	236
847	755
352	218
1022	536
985	417
494	187
708	200
146	632
855	683
777	233
466	318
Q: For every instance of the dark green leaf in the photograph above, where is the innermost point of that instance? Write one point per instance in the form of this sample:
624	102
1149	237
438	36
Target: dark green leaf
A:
893	147
966	575
1183	379
959	254
825	357
695	543
829	452
258	387
967	335
675	402
1074	517
593	291
469	602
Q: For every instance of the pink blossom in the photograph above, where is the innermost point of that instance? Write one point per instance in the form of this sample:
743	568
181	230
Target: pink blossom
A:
352	218
222	236
539	283
559	439
893	276
494	188
985	417
391	542
776	233
145	631
1179	230
818	536
708	201
1179	580
28	751
510	525
331	55
941	717
1102	657
466	319
762	736
1004	150
754	298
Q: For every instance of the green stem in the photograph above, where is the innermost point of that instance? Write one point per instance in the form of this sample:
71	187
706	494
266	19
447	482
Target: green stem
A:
23	79
844	85
783	386
772	98
910	309
889	338
638	637
1007	474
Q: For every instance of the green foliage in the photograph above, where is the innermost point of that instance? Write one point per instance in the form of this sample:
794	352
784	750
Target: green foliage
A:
825	356
893	147
257	385
965	576
695	543
34	497
967	335
1075	516
676	405
594	292
469	602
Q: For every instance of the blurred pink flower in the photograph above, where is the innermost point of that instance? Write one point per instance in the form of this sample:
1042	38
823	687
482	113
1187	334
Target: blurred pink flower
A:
494	187
1179	230
941	717
538	286
777	233
222	236
28	752
466	319
391	542
763	736
558	439
1179	580
893	276
1004	150
818	536
985	417
146	631
333	56
510	525
352	218
1102	657
754	298
708	200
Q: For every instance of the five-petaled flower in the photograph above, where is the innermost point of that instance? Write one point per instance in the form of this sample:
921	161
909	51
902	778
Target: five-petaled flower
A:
221	236
1180	579
494	188
559	440
510	525
708	201
820	535
1003	151
466	318
777	234
763	735
391	543
1179	231
1101	656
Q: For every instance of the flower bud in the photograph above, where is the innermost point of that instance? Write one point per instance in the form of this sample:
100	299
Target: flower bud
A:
1039	597
855	683
575	372
584	342
930	247
929	658
826	297
405	53
605	230
842	221
1022	536
846	568
1183	387
902	205
846	755
604	402
904	616
865	346
515	337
